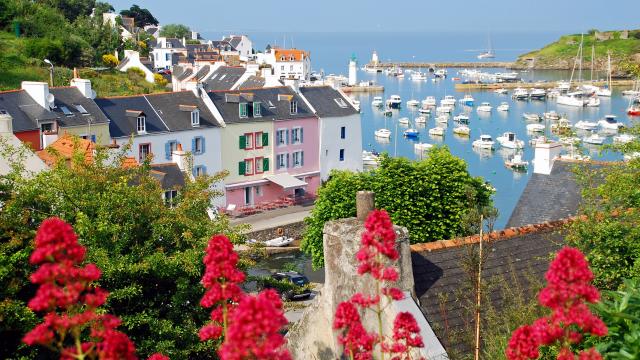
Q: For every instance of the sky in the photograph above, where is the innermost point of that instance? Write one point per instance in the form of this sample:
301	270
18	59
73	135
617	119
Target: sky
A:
392	16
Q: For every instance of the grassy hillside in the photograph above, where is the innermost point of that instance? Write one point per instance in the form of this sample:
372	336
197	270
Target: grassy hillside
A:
561	54
16	67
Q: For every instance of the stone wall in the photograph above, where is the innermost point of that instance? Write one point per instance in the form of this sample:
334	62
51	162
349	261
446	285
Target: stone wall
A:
294	230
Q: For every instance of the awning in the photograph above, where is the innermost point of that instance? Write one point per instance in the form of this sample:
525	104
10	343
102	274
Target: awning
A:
286	181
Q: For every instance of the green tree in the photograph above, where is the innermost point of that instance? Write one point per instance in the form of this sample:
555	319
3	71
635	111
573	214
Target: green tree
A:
150	254
101	8
431	197
142	17
71	9
175	31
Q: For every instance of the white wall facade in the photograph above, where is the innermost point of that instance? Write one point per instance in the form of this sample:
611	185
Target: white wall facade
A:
300	70
331	143
162	54
245	47
211	158
134	61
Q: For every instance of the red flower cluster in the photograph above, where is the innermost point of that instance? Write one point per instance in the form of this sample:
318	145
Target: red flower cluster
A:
567	293
67	294
253	329
221	279
377	250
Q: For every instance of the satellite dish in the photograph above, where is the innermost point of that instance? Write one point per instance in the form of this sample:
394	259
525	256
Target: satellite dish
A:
51	99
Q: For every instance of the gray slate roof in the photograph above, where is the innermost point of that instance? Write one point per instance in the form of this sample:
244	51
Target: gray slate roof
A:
233	40
443	284
202	72
24	110
70	97
252	82
266	96
548	197
184	74
123	125
167	105
175	43
322	99
224	78
169	175
222	45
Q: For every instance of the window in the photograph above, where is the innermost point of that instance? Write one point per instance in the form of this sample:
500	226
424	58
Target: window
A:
81	109
66	111
296	135
298	159
144	151
197	145
341	154
293	107
244	110
248	167
282	161
169	148
47	128
141	124
343	132
170	197
292	58
271	106
167	57
248	141
259	140
281	137
257	110
195	118
199	170
341	103
291	68
248	195
259	163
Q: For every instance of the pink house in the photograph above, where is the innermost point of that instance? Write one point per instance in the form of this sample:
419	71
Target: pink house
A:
270	146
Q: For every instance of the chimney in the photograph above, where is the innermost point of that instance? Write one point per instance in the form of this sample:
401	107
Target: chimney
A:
545	154
180	157
6	124
39	92
84	85
184	41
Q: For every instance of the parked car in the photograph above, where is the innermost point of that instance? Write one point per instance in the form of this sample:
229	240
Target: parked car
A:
290	285
164	72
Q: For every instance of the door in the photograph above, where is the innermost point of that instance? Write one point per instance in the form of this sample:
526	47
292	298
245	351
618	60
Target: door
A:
248	195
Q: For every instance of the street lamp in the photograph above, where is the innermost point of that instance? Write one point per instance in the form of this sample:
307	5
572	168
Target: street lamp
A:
47	61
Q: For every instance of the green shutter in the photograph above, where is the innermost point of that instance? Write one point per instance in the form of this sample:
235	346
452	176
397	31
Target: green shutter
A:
241	168
265	139
265	164
243	142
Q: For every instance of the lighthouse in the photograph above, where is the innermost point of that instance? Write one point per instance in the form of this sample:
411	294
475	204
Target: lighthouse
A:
353	71
374	58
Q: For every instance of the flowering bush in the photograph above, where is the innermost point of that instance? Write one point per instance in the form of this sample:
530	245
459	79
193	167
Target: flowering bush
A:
377	250
67	294
249	325
567	293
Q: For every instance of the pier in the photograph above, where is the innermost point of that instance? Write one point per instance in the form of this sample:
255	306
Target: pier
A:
362	89
439	65
539	85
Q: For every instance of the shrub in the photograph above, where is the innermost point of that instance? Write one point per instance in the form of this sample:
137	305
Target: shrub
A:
110	60
159	80
135	73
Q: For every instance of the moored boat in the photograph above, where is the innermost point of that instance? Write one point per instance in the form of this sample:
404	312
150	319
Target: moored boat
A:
462	130
484	107
504	106
510	141
484	142
516	163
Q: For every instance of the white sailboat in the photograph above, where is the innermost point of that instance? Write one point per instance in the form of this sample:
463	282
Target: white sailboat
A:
574	98
383	133
489	54
606	91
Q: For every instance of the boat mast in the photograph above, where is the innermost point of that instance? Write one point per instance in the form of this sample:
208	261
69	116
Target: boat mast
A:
609	68
580	59
593	54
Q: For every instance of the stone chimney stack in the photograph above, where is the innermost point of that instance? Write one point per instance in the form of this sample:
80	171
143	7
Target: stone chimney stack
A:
6	124
545	154
181	158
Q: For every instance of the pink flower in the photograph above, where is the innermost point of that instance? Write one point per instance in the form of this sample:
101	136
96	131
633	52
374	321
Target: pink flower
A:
254	327
406	331
158	356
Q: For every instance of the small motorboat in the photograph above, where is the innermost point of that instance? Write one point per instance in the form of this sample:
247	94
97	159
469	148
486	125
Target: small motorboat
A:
370	159
504	106
387	112
279	241
429	101
535	128
554	93
463	130
501	91
485	142
537	94
531	116
520	94
631	92
420	120
510	141
586	125
404	121
382	133
610	123
484	107
516	163
436	131
593	101
424	110
418	75
394	102
411	133
448	101
461	118
377	101
634	110
444	109
413	102
551	115
442	119
422	146
623	138
593	139
467	100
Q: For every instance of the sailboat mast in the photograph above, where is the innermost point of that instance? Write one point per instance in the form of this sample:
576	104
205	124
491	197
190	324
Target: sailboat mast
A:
593	55
609	68
580	60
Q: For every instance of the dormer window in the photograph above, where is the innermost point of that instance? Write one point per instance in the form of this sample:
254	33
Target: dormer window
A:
292	58
293	107
244	110
195	118
257	110
283	58
141	124
168	45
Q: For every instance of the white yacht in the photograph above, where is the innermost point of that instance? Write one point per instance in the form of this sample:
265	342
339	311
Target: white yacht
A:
520	94
572	99
377	101
531	116
586	125
404	121
424	110
551	115
420	120
563	86
369	159
610	123
501	91
537	94
535	128
444	109
510	141
462	118
448	101
462	130
440	73
623	138
429	101
485	142
436	131
413	102
442	119
383	133
593	101
394	102
504	106
422	146
467	100
593	139
418	75
484	107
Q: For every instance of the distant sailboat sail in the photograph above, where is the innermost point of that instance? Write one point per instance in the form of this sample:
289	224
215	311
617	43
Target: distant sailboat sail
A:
489	54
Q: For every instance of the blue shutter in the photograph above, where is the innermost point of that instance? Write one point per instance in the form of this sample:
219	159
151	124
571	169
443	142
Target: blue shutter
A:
93	138
193	145
204	169
287	137
278	137
194	171
203	145
167	150
287	163
301	158
301	135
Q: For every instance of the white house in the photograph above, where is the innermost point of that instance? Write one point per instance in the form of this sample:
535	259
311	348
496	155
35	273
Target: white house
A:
132	60
242	43
166	51
158	123
340	129
287	63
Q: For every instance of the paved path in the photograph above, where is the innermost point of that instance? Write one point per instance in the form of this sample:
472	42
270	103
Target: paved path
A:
275	218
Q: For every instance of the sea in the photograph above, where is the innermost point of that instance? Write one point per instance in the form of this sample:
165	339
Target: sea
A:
331	51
